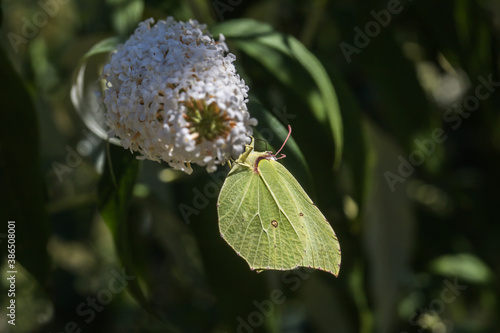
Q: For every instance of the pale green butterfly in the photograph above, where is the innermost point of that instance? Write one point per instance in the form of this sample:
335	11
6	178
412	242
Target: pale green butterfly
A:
270	221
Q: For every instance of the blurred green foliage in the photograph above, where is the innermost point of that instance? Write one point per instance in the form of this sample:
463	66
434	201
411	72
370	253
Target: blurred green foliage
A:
395	113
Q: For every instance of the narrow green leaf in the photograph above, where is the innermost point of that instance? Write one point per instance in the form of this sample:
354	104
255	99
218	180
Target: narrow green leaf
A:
114	193
84	87
116	185
104	46
21	182
273	49
242	28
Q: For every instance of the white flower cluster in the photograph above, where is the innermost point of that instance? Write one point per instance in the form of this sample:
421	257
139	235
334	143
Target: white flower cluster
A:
171	94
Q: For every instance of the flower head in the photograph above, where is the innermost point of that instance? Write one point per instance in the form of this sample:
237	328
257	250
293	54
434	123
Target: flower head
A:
172	94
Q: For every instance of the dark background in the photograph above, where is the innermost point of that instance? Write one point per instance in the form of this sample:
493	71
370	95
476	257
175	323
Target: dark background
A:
414	201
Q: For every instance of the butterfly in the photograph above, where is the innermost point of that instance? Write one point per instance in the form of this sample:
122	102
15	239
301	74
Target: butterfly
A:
270	221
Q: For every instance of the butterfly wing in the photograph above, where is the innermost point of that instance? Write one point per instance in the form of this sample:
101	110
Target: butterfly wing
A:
322	246
258	226
270	221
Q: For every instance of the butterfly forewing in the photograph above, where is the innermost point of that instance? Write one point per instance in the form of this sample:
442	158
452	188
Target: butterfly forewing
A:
255	226
322	249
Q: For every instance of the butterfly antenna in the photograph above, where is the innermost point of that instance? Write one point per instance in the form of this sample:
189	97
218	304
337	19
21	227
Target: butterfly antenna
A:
287	137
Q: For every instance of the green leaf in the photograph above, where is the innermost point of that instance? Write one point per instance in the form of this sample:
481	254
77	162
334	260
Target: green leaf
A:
84	87
125	15
115	190
463	266
242	28
202	10
473	34
273	50
21	182
116	185
104	46
270	221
